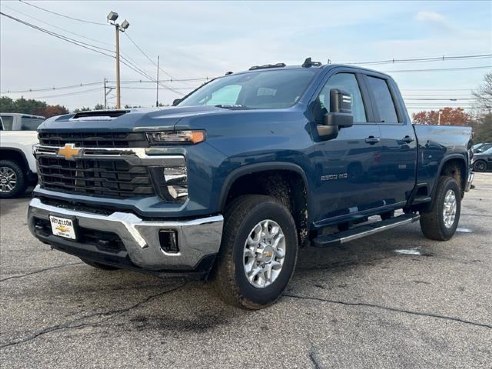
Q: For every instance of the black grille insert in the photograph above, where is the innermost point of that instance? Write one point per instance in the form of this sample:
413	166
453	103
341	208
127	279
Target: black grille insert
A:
94	139
109	178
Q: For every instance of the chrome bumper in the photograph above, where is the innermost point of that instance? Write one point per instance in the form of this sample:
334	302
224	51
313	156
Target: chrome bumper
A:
197	238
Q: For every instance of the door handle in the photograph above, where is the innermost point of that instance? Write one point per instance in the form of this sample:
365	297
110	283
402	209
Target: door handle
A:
372	140
408	139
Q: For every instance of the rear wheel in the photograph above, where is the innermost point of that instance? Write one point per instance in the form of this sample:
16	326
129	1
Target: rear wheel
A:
13	181
97	265
441	221
258	252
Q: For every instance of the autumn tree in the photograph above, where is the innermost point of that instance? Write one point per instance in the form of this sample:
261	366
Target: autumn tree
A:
449	117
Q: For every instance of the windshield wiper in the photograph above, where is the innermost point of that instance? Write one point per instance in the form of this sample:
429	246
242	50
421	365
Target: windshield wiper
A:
231	106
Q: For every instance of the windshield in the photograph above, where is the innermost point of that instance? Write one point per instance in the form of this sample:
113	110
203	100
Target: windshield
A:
266	89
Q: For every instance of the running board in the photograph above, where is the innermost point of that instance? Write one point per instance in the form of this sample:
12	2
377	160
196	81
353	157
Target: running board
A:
363	231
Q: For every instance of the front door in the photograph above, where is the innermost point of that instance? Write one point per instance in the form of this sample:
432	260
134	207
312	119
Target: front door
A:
344	165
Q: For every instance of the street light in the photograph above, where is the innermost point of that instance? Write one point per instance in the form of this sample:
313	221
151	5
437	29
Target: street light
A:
112	17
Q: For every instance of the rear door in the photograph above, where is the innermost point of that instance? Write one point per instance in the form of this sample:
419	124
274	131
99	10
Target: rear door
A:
396	171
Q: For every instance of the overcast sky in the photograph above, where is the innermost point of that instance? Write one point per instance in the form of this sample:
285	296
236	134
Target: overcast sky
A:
206	39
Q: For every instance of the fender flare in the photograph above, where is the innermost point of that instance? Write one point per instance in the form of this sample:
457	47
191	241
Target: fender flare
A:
256	168
22	155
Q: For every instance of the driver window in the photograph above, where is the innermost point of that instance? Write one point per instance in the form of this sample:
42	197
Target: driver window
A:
348	83
227	95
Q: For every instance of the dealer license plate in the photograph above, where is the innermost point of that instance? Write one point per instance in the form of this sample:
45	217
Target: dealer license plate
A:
62	227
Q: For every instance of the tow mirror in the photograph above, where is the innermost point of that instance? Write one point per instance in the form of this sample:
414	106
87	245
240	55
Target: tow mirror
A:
176	101
340	114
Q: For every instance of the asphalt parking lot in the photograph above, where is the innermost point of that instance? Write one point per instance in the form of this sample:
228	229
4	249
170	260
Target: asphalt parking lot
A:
393	300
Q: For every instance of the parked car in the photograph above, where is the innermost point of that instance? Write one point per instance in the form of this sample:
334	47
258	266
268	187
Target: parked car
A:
481	147
232	182
482	161
17	164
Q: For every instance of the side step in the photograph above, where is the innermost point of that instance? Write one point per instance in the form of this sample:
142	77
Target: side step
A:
364	230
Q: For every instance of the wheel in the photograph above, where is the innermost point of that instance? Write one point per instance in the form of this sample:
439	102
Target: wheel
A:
99	265
480	166
258	252
440	222
13	181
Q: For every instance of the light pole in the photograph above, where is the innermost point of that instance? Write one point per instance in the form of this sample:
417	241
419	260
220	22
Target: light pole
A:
112	17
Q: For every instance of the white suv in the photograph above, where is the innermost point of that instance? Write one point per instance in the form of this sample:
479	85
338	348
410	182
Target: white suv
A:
17	164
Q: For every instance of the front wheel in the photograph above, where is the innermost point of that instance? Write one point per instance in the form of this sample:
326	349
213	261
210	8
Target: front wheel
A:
13	181
480	166
258	252
441	221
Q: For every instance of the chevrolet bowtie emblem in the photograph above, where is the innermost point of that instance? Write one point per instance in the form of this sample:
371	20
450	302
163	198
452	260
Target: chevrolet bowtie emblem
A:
68	151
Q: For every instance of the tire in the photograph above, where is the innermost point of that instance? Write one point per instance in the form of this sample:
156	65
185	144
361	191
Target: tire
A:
480	166
435	224
244	219
13	180
97	265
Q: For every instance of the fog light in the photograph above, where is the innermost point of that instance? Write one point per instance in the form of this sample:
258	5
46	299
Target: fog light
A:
168	240
177	181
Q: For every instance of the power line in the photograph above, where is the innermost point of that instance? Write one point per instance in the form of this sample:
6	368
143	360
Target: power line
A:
87	46
62	15
51	88
148	57
69	93
57	27
439	69
424	59
84	45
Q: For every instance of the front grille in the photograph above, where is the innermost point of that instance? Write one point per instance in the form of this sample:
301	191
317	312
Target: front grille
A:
96	177
94	139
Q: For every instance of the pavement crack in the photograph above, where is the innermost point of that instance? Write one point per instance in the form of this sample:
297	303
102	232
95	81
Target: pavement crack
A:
387	308
39	271
79	322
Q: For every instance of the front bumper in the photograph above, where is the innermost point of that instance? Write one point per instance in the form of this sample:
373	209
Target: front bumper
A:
198	239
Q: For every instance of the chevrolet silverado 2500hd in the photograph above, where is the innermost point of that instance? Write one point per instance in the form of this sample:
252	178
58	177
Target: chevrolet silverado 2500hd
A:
242	173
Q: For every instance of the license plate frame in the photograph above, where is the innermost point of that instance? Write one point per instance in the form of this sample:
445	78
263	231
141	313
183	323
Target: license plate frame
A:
64	227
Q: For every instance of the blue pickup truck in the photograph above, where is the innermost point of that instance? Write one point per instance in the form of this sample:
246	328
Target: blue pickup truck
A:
232	182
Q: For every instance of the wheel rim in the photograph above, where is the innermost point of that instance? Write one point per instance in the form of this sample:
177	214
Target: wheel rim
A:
449	209
480	166
264	253
8	179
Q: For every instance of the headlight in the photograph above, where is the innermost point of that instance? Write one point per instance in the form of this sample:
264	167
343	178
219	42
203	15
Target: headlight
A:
175	137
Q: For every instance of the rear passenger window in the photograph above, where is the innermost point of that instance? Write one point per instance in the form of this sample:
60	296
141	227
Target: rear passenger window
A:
348	83
384	101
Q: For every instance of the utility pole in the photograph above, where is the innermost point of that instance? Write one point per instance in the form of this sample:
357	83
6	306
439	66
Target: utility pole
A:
118	80
105	94
157	84
107	91
112	17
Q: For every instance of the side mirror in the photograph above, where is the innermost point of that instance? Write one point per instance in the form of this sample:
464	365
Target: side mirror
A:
176	101
340	114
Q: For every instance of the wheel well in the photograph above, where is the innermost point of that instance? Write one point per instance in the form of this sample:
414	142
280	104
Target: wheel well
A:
16	156
456	168
286	186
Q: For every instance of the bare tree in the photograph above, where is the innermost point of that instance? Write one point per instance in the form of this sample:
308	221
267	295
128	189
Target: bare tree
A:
484	95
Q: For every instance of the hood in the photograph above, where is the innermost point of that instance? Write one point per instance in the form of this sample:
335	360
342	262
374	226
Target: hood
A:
209	118
125	120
